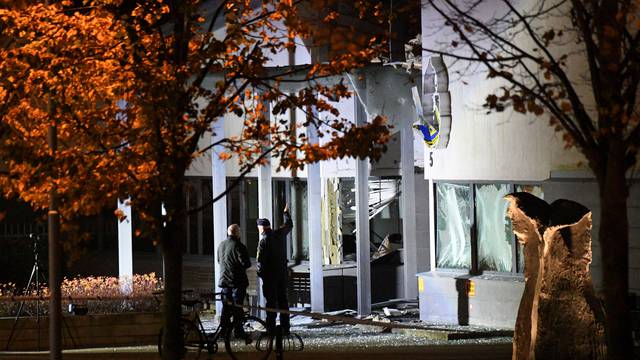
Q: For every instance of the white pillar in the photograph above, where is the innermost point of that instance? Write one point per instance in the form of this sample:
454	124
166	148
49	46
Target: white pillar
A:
362	217
265	192
125	247
265	201
409	210
315	229
218	186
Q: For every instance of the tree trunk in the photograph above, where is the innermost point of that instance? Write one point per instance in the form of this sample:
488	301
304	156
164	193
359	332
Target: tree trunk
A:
172	237
614	244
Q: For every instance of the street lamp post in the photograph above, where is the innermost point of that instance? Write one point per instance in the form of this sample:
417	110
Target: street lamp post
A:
55	303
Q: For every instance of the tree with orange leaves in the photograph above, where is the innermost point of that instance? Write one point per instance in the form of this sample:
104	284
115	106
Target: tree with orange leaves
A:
132	86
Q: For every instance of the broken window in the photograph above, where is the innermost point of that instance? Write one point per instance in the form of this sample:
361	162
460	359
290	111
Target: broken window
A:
482	213
330	217
495	238
537	191
301	237
453	223
347	203
384	210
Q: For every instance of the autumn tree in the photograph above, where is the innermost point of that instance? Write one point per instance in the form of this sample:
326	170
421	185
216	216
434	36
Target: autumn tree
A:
576	64
132	86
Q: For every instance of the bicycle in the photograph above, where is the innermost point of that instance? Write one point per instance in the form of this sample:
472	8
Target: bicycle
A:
196	339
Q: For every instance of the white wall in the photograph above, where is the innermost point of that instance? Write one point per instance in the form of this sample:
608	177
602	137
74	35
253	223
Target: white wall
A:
509	146
497	146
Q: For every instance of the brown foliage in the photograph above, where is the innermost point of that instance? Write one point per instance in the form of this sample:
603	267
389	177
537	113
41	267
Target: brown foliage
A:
131	99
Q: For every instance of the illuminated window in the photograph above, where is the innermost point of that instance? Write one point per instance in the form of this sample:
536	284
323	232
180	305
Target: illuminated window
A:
473	231
453	226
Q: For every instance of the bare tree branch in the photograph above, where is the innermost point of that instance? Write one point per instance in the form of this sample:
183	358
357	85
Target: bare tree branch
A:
583	119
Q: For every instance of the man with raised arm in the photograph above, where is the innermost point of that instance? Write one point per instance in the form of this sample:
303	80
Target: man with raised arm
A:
272	268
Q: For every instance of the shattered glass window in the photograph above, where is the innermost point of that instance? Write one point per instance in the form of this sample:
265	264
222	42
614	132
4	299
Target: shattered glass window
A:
304	226
347	203
495	238
539	192
453	219
384	209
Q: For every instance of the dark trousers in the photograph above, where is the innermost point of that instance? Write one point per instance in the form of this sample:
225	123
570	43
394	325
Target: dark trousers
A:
275	294
236	295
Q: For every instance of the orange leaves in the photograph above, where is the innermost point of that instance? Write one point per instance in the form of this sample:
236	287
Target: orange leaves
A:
331	16
74	59
224	156
92	62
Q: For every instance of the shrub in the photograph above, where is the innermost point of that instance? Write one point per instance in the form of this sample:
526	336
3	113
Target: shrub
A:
135	295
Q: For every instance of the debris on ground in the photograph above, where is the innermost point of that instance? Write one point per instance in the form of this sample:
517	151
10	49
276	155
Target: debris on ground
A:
324	334
344	312
374	328
390	312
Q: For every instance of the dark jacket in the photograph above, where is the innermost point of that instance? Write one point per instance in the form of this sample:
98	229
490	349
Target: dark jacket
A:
234	261
272	251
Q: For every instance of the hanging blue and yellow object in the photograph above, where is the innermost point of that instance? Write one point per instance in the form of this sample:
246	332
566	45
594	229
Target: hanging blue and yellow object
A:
430	133
430	130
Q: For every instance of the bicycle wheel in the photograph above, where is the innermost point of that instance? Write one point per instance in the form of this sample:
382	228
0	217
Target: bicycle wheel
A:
191	337
238	349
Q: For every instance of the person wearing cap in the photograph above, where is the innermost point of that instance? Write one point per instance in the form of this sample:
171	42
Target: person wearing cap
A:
234	261
272	268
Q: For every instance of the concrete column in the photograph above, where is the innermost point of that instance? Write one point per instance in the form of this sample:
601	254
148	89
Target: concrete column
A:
315	229
218	186
409	210
125	247
265	190
265	193
362	216
265	203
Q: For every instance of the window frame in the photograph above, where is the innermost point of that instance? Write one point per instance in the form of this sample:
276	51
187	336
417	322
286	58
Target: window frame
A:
434	193
473	236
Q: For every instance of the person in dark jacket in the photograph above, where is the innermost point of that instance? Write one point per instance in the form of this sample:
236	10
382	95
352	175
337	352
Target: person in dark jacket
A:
234	261
272	268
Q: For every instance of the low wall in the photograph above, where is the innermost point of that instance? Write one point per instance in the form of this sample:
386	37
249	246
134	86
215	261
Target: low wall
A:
83	331
460	299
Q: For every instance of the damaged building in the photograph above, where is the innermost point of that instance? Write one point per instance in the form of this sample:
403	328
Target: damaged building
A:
427	222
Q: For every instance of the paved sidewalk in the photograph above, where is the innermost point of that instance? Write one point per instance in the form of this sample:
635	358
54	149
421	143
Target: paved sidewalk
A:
436	352
327	341
340	341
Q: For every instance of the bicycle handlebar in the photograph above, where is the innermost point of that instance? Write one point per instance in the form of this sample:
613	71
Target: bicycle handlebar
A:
204	297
